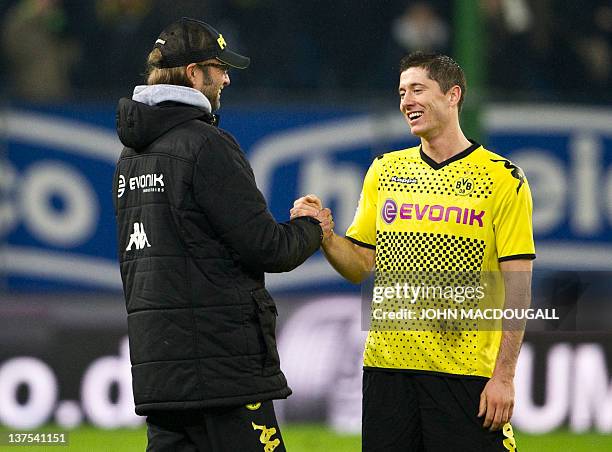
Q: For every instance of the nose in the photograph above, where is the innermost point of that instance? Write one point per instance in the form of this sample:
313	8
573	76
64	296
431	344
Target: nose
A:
226	79
406	102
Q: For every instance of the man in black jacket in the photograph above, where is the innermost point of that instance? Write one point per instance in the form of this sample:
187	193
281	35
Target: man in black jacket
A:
195	238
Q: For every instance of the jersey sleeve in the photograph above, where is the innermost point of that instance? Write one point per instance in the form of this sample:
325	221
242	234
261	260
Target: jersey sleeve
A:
362	230
512	219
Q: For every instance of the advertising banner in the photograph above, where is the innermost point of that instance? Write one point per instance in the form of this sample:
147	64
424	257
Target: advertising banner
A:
57	226
66	360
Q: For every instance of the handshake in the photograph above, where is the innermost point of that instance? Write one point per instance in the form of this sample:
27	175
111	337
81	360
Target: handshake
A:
311	206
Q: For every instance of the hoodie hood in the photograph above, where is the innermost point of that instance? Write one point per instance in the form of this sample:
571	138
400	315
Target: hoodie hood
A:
156	94
155	109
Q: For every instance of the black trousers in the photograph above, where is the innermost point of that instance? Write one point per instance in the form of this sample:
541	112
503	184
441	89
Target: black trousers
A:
245	429
417	412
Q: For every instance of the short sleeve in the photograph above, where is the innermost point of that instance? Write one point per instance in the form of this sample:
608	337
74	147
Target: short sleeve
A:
362	230
513	219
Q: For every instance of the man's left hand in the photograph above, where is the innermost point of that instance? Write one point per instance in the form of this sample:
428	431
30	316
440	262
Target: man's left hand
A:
497	402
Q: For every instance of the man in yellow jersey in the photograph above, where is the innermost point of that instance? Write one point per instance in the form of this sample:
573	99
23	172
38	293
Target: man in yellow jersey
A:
448	205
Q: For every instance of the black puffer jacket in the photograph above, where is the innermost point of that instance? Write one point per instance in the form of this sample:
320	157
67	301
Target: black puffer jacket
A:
195	238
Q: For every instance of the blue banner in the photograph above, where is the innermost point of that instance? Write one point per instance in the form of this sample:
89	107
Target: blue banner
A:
57	223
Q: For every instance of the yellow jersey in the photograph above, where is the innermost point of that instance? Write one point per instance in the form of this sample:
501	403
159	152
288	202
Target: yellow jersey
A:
466	214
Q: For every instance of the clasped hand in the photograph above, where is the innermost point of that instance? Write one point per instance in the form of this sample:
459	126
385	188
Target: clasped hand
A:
311	206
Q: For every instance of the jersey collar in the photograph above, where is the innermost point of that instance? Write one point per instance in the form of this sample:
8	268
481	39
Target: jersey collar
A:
435	165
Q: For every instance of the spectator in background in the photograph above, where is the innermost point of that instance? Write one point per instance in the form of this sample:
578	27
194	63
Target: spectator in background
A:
165	9
124	31
119	30
601	67
39	54
584	35
558	50
517	47
420	28
346	38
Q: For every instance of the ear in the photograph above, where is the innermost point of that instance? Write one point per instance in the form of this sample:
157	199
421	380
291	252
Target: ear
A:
454	95
190	72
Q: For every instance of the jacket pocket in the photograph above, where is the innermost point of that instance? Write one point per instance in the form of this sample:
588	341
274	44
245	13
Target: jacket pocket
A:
266	314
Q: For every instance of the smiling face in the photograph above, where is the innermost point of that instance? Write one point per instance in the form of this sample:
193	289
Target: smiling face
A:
427	109
210	77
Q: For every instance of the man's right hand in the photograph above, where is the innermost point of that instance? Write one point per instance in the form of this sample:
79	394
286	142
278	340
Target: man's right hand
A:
311	205
352	261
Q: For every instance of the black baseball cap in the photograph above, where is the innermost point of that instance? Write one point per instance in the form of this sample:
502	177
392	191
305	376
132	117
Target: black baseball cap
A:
190	41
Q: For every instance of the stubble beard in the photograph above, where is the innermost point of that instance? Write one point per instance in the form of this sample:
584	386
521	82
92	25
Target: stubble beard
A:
211	92
213	97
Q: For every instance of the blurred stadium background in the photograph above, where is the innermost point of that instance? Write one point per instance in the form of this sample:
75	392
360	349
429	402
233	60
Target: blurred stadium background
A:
317	104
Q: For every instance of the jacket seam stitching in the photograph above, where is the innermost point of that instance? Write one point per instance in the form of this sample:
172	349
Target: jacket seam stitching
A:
162	154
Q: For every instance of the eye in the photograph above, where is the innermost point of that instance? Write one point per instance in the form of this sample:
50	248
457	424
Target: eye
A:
402	94
417	91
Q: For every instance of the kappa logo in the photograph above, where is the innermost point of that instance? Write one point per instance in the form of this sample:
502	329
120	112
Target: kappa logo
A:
404	180
121	188
138	238
509	442
515	171
266	437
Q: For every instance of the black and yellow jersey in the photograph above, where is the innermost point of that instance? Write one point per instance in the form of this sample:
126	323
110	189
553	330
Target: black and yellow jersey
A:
466	214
